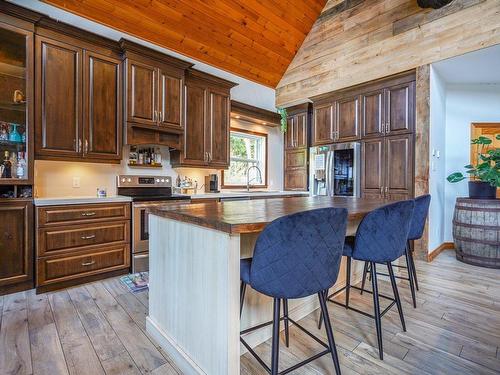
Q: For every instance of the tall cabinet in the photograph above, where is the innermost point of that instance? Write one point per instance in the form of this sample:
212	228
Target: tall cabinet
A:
296	145
16	153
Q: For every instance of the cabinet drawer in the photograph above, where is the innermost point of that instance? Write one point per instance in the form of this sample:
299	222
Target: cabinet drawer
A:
71	238
62	268
76	214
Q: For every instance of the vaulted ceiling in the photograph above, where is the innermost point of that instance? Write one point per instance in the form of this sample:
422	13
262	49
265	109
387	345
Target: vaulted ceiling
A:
255	39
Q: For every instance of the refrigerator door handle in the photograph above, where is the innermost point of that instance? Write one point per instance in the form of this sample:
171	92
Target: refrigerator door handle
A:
329	173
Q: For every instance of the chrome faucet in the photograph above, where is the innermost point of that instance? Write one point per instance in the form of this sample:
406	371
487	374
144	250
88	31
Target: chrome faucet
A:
248	176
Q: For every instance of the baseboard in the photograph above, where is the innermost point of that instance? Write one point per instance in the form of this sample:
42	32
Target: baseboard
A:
438	250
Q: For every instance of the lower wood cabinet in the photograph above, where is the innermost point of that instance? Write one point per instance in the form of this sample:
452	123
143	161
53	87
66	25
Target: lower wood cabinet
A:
296	171
388	167
16	245
78	243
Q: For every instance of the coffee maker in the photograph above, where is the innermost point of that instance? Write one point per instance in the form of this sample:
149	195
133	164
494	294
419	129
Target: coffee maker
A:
212	183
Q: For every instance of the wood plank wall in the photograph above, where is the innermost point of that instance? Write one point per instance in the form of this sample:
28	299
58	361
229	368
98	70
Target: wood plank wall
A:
356	41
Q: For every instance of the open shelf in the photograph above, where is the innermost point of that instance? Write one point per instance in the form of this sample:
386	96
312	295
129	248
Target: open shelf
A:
144	166
21	107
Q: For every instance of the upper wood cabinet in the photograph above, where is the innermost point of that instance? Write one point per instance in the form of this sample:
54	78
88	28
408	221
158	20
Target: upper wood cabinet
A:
400	115
373	114
16	243
296	144
296	135
78	100
102	115
154	96
323	131
347	124
206	131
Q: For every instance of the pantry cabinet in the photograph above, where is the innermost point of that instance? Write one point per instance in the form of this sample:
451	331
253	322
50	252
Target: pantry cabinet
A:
296	148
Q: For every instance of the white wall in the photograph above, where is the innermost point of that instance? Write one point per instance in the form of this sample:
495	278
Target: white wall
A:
437	158
465	104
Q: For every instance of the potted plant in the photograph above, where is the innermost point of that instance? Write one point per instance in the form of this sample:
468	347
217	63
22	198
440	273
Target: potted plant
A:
485	173
283	114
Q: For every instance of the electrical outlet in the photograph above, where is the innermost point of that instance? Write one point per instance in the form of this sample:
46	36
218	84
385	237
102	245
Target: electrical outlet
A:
76	182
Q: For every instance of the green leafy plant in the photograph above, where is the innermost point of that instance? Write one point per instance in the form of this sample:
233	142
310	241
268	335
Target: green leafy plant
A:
487	168
282	112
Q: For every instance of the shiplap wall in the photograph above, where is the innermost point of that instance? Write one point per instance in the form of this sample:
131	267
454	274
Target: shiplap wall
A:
369	41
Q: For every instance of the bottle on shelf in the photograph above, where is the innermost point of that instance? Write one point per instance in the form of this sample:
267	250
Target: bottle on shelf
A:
6	166
21	165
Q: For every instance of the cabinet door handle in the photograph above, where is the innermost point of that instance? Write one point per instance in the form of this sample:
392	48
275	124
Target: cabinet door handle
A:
161	118
209	156
88	263
88	213
79	146
86	147
387	127
381	190
155	115
89	237
386	189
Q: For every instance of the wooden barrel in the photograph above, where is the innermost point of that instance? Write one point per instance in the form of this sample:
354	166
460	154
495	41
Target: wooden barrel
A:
476	231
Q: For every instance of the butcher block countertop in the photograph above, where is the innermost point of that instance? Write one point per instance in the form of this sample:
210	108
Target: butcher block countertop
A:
253	215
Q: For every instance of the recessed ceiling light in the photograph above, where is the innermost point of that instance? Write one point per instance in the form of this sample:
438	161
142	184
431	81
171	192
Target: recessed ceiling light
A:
264	123
237	116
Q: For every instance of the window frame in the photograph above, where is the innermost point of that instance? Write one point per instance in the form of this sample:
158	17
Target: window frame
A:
249	132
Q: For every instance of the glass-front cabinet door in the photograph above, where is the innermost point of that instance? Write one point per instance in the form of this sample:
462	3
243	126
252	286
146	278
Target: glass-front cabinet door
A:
16	95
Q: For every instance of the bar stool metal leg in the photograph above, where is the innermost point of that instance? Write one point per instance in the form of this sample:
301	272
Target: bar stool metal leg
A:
376	308
348	282
329	331
276	338
396	295
365	271
414	270
243	288
410	278
285	319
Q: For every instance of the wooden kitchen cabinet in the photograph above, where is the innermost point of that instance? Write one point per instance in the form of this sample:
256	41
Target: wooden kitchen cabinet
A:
82	242
348	114
154	85
387	167
16	245
323	131
206	132
296	171
373	114
78	99
400	107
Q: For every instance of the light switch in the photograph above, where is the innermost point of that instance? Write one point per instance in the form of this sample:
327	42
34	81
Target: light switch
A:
76	182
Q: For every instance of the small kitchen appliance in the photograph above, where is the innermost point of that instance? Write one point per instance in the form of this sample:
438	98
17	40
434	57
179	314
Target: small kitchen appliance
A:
212	183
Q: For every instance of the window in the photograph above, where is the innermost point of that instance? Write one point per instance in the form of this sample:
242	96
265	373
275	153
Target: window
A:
246	149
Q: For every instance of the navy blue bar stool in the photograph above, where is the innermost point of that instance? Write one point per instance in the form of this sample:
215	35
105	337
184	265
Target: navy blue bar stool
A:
380	238
417	226
296	256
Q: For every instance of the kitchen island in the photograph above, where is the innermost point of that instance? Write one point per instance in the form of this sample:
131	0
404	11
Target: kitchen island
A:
194	280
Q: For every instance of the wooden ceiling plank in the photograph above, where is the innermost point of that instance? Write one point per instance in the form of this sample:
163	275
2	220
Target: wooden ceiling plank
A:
165	37
221	44
205	20
239	22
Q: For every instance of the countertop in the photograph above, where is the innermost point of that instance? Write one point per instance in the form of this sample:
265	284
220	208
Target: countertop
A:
244	194
253	215
80	200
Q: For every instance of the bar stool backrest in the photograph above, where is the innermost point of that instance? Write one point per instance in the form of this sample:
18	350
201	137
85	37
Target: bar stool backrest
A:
420	213
382	234
299	255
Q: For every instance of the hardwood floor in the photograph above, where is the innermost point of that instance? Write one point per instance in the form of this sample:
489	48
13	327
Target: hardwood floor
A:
99	328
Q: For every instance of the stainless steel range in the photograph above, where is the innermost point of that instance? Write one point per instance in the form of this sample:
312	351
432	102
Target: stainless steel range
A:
146	191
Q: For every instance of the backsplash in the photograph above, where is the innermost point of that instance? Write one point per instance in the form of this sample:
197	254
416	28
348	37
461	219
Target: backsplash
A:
56	178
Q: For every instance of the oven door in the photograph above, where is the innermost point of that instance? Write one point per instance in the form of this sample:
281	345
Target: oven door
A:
140	232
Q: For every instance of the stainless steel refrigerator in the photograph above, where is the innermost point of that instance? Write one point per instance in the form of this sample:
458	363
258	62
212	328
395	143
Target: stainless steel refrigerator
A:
335	170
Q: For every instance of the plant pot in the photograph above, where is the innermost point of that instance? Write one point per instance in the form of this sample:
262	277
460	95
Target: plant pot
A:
481	190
